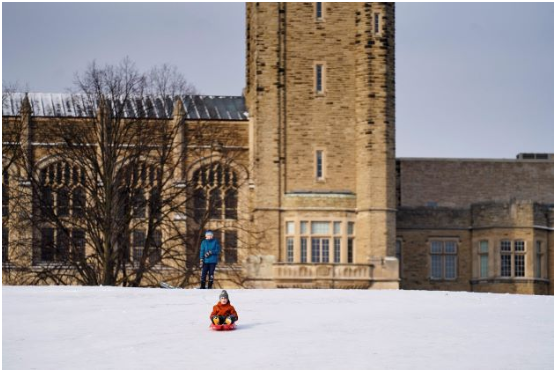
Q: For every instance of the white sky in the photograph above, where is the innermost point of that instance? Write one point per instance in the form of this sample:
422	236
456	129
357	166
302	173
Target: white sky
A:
472	79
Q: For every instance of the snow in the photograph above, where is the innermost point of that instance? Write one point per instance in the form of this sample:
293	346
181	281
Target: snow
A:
124	328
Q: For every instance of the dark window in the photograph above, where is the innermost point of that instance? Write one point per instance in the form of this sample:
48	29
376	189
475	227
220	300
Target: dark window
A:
318	72
350	250
5	197
156	248
5	244
47	244
315	250
46	201
303	250
156	205
139	204
138	244
78	240
337	250
506	262
319	10
231	246
63	202
78	205
62	245
377	23
231	204
319	165
216	204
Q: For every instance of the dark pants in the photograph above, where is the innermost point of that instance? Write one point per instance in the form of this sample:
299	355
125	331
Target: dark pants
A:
208	268
223	319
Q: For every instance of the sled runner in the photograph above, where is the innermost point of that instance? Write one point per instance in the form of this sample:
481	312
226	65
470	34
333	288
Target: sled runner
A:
223	327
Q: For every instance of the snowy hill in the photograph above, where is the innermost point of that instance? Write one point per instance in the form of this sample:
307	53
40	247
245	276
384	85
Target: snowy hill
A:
122	328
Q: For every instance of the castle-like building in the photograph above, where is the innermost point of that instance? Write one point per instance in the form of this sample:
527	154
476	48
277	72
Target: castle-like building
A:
320	181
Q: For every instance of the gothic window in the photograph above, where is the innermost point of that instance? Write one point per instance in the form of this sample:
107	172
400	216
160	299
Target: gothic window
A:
60	197
215	192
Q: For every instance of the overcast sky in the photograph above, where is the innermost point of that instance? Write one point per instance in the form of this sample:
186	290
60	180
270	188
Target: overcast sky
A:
472	79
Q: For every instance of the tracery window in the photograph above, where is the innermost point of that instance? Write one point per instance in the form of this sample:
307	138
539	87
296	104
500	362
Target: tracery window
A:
215	192
60	197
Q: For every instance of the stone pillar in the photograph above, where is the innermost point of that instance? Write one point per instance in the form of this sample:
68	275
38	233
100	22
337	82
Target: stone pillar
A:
375	150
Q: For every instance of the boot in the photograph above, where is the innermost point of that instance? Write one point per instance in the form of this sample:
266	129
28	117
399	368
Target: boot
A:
210	284
202	285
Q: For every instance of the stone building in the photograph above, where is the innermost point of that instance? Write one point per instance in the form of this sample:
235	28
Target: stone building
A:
331	205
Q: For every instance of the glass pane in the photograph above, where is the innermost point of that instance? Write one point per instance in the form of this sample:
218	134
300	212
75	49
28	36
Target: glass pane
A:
538	266
483	246
289	249
519	246
506	246
315	250
351	228
337	251
450	247
450	269
325	250
303	227
436	266
436	246
290	228
506	265
519	265
320	228
484	266
350	251
303	250
337	228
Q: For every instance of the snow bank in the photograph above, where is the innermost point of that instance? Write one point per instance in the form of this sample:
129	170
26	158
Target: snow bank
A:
122	328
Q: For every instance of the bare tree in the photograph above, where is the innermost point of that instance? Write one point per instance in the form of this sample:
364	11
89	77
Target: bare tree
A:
109	201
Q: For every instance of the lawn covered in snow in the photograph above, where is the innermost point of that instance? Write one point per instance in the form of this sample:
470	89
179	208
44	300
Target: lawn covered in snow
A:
124	328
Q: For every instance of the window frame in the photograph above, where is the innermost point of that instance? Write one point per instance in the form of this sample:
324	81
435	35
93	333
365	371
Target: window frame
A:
442	254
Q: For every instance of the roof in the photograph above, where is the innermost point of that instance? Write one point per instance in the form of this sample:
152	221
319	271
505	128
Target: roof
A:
197	107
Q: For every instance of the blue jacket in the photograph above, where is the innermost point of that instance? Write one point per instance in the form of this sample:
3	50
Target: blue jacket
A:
211	246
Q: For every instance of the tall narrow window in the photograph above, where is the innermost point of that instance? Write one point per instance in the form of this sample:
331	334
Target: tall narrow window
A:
350	250
483	258
506	258
318	11
319	162
377	23
5	196
319	76
47	244
230	237
315	250
78	241
138	245
78	202
5	244
63	202
325	250
289	250
337	250
303	250
399	255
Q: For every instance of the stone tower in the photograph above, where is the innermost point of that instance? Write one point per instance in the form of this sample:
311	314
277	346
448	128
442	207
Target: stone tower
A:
321	99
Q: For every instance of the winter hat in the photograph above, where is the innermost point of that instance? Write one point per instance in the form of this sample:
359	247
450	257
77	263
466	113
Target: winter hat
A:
224	294
209	232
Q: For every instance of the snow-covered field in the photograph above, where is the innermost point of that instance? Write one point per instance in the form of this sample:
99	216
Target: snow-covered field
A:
122	328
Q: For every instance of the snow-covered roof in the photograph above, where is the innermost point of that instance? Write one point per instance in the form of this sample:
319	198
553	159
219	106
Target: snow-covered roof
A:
197	107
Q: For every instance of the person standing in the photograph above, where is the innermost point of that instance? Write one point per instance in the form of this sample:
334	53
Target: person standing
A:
210	250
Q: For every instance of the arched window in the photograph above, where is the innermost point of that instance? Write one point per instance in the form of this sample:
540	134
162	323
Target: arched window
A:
60	196
215	191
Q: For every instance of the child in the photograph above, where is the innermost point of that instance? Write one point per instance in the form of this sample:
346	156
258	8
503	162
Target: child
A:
223	312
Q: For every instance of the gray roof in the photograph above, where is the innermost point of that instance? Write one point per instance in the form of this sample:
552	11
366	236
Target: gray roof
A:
197	107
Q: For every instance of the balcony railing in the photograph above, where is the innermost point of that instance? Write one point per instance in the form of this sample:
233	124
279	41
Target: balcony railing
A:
312	275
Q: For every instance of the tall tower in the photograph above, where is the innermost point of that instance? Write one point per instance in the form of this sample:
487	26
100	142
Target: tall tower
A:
321	99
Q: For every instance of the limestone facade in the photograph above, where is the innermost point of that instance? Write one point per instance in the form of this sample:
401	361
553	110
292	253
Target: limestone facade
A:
325	202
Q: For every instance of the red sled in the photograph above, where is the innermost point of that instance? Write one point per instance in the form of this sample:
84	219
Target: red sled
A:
223	327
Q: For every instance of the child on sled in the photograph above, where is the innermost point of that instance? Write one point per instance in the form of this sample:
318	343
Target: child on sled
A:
223	312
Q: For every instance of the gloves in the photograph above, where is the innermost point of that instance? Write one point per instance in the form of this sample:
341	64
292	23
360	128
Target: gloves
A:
229	320
216	320
208	254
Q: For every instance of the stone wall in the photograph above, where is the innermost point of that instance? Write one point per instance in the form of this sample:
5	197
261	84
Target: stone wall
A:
461	182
